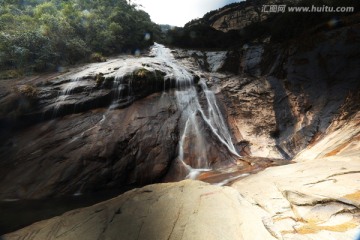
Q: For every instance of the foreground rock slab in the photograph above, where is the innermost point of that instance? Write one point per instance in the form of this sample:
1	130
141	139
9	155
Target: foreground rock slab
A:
184	210
308	200
318	196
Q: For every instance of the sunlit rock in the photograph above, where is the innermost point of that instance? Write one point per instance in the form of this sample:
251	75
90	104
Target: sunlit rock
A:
183	210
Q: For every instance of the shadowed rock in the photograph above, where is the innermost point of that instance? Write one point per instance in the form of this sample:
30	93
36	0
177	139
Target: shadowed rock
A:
184	210
91	150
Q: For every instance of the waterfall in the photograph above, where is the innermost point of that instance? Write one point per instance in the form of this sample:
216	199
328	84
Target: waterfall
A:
188	103
64	94
123	91
216	120
204	138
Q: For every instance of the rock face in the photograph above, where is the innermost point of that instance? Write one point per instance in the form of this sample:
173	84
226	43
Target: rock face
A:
137	121
107	125
252	59
279	99
236	16
92	150
314	198
84	88
89	129
275	111
113	118
299	93
317	197
310	94
283	99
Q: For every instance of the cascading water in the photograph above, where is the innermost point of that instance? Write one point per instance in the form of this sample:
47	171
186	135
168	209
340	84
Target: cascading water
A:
64	94
188	102
216	119
202	128
76	80
122	90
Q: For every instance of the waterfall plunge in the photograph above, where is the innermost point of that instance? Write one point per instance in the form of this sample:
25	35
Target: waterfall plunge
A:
188	102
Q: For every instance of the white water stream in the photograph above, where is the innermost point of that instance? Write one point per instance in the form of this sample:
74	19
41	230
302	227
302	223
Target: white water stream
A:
188	102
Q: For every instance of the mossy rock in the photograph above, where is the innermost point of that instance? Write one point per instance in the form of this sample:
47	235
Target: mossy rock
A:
142	73
144	82
150	76
99	79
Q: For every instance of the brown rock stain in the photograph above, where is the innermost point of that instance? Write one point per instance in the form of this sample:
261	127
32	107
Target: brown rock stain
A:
353	196
342	146
311	228
209	193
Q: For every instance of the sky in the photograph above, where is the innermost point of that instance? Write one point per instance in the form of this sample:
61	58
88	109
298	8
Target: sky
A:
179	12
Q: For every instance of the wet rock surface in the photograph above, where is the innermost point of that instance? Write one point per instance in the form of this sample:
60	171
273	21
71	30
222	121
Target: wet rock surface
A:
106	125
92	150
70	143
83	89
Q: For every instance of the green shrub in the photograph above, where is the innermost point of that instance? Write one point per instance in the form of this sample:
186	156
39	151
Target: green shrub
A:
41	35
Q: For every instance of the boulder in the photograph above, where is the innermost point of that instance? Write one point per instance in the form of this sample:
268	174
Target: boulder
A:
183	210
313	200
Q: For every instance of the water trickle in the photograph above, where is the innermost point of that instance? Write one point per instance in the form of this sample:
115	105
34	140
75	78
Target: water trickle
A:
122	90
64	94
228	180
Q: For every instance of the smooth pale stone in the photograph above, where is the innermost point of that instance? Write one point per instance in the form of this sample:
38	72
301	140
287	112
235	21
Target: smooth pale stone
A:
184	210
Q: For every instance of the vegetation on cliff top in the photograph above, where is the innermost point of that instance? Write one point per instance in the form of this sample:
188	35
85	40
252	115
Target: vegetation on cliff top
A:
38	35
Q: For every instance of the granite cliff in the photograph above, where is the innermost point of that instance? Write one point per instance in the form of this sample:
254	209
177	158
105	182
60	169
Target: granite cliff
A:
227	117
